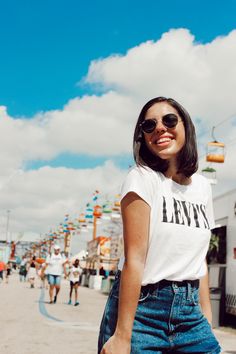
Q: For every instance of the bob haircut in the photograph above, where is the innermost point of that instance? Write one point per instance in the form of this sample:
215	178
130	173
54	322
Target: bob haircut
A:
187	159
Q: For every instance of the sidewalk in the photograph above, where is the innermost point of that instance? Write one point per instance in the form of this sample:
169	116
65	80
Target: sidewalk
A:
32	326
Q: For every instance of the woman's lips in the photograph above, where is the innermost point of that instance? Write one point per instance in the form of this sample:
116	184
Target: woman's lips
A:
162	141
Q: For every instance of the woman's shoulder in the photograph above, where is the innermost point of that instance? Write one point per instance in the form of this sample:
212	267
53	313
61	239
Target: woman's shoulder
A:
201	182
198	178
142	181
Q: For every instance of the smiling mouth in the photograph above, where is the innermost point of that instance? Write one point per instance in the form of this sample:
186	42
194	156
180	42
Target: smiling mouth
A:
163	141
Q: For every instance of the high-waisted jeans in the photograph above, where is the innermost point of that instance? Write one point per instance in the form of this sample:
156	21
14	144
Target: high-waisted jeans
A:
168	319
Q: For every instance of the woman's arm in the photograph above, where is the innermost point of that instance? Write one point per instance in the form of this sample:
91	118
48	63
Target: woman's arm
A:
43	269
205	297
136	217
36	266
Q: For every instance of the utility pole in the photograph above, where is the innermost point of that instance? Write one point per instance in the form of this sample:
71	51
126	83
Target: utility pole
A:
7	226
94	227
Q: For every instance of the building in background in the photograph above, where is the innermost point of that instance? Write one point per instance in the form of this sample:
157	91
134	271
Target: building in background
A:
222	255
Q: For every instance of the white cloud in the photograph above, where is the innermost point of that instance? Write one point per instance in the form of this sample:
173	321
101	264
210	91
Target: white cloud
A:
201	76
88	125
39	200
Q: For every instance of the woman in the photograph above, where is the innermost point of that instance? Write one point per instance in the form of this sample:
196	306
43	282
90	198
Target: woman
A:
23	269
32	271
74	277
8	271
162	286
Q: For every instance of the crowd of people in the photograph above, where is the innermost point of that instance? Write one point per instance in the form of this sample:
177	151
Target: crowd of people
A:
5	270
48	274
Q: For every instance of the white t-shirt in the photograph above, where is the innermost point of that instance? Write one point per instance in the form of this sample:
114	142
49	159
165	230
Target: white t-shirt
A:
181	218
55	264
23	262
75	274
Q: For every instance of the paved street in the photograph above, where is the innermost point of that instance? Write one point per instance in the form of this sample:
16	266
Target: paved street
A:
29	325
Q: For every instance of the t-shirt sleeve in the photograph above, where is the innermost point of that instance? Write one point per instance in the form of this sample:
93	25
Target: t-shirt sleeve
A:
48	259
203	270
63	260
138	181
209	208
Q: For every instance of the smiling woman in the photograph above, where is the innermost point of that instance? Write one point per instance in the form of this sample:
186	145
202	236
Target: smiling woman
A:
174	130
166	139
154	305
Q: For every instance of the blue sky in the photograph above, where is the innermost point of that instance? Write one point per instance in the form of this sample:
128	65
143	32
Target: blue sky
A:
47	45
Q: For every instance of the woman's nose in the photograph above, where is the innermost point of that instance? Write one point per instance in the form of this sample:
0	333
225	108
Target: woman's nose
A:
160	127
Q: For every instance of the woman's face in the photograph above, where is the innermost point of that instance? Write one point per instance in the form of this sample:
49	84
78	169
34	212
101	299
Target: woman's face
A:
165	142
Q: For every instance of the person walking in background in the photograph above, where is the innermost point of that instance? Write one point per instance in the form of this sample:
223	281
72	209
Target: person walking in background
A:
160	298
55	263
32	271
43	276
74	278
23	269
2	268
8	269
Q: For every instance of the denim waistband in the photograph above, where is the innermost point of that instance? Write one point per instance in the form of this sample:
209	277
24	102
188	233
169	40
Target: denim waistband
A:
177	284
164	283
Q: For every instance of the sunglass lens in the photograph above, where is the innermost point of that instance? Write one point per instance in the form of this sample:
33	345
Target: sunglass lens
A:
170	120
149	125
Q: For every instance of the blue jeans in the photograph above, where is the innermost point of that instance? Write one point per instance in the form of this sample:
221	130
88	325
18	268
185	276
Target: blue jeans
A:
54	279
168	319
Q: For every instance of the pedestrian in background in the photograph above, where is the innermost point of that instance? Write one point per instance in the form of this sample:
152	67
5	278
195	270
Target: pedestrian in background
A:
32	271
8	271
160	298
55	264
23	269
2	268
43	276
75	280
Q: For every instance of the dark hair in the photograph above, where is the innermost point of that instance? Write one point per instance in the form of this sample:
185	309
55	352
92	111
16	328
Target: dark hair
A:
187	160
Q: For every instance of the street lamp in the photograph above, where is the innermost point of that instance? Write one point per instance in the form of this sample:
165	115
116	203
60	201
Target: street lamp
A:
7	226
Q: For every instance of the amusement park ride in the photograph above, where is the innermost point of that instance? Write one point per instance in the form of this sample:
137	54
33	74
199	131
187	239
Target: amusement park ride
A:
215	154
94	214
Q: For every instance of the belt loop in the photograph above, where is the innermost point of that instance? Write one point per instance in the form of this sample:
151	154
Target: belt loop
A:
174	286
189	291
118	274
157	288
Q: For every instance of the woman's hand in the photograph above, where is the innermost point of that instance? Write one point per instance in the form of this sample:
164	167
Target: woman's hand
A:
205	301
208	314
116	345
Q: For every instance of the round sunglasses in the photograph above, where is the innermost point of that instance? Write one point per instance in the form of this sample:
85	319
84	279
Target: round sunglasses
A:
169	121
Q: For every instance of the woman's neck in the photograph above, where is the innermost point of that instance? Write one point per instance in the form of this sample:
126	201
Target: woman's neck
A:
179	178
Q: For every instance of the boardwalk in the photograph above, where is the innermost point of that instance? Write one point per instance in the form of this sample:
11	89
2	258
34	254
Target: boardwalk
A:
29	325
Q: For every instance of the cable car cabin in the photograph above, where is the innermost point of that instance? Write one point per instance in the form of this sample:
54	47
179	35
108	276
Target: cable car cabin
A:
97	211
215	152
209	172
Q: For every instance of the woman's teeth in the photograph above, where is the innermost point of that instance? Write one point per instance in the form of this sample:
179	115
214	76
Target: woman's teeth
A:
163	140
